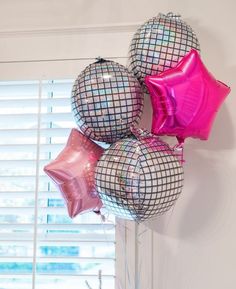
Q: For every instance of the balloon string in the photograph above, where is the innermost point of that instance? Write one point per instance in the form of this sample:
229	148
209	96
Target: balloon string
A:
123	243
99	279
104	219
87	284
179	150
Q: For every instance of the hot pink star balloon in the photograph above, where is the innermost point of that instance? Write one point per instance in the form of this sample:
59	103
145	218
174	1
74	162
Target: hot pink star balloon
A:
185	99
73	173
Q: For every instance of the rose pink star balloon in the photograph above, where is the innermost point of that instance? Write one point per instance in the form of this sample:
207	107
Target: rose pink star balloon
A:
185	99
73	173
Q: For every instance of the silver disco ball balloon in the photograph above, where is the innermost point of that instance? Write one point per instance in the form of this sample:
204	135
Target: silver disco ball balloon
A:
159	44
106	101
139	179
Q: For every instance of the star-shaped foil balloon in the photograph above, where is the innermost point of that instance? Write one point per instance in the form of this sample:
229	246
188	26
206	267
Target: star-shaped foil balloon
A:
185	99
73	173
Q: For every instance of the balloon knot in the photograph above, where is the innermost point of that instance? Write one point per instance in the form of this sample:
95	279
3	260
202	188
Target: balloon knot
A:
100	60
172	15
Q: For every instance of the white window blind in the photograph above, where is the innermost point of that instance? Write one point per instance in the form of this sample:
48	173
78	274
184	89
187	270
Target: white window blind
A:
40	246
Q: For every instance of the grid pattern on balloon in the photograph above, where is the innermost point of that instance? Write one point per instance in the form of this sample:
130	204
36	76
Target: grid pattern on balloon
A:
106	101
159	44
138	180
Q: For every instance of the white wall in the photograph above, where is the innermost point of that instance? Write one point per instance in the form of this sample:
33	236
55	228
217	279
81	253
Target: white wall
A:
194	246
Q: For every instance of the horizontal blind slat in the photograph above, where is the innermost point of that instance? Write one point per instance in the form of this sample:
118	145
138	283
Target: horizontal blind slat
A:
60	259
9	164
29	194
60	237
30	117
28	210
63	275
57	242
18	178
30	132
33	102
28	147
88	227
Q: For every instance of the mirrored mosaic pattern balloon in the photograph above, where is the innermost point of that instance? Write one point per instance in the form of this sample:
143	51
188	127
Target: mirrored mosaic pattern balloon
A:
106	101
139	179
159	44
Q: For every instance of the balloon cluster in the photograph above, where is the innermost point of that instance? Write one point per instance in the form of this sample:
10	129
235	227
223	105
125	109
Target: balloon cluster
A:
139	176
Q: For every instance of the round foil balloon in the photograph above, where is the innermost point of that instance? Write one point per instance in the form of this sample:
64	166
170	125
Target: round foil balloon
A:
139	179
106	101
159	44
